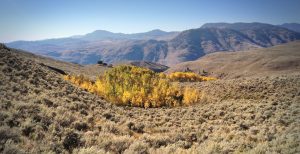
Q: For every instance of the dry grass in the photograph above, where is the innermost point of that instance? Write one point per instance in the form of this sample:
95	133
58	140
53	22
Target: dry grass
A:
42	113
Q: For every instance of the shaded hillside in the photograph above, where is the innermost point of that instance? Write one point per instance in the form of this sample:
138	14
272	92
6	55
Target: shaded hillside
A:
215	37
186	46
151	50
280	59
192	44
41	113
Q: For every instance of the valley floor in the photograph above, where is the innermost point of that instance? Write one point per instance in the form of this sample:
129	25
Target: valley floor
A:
40	112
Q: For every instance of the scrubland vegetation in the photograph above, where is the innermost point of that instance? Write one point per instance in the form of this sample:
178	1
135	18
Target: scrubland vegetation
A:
42	113
140	87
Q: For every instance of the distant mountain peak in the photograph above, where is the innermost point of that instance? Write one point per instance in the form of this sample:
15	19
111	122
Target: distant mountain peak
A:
156	30
100	32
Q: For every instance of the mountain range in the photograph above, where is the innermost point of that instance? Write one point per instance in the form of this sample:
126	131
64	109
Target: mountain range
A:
168	48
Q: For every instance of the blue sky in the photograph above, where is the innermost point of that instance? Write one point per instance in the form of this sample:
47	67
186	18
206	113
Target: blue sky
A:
41	19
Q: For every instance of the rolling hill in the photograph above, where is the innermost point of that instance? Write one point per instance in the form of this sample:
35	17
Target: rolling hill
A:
279	59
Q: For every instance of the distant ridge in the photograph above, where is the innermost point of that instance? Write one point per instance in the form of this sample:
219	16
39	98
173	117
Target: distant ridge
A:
238	25
103	35
167	48
291	26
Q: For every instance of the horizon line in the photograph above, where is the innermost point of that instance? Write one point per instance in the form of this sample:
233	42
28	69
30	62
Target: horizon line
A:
76	35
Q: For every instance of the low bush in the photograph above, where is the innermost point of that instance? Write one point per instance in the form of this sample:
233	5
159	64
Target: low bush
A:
71	141
188	77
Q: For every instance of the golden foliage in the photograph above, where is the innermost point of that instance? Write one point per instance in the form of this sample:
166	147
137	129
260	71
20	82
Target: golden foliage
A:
188	77
81	81
135	86
191	96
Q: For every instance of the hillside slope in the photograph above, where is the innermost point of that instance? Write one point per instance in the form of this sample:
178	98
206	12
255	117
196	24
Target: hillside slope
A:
41	113
280	59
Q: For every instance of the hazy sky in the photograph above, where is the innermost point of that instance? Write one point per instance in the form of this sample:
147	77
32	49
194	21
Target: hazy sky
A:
40	19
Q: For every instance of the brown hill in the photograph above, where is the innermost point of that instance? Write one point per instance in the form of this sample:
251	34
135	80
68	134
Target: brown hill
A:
280	59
